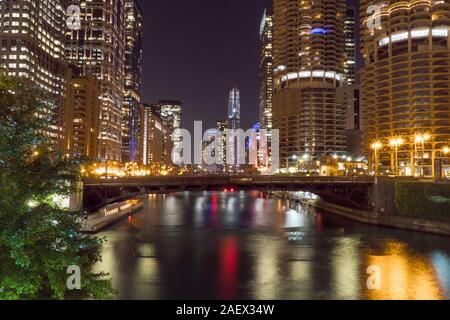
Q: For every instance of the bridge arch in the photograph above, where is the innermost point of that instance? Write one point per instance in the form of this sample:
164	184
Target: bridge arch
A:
353	192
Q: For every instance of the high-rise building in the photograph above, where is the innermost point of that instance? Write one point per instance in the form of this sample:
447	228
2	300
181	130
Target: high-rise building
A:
350	46
81	115
234	123
133	82
152	135
266	70
32	47
357	109
353	134
97	48
222	126
405	81
234	109
171	114
309	106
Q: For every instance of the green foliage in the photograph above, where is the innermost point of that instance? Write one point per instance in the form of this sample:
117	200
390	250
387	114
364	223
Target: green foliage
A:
38	239
429	201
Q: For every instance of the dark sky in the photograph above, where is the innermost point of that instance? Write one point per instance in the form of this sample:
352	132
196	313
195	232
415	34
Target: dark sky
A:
190	46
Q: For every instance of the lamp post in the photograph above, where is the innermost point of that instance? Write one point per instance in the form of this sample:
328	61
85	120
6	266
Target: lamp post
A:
446	152
376	147
422	139
396	143
294	157
417	139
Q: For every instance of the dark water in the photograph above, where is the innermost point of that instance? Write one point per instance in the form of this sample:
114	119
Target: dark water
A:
248	246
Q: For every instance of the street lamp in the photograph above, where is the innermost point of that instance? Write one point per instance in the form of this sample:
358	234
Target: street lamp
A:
396	143
446	151
376	147
421	138
294	157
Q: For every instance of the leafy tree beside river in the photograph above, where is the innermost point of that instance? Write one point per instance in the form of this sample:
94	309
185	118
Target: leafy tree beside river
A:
39	240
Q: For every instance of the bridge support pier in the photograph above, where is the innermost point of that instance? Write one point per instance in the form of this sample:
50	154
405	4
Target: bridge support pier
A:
76	198
383	196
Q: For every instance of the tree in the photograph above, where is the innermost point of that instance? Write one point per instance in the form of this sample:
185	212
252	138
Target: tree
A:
39	240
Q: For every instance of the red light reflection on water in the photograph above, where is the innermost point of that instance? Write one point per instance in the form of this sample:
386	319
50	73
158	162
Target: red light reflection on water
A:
228	269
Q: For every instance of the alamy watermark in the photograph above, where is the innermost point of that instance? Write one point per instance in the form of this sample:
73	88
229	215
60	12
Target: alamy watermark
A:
374	279
233	147
374	22
73	20
74	280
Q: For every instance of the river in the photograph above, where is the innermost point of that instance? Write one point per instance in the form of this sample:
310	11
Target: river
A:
247	245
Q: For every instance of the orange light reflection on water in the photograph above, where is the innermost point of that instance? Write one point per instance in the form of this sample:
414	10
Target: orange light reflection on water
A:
404	275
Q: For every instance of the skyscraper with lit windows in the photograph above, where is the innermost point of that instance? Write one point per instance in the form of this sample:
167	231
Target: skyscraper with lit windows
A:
234	109
133	82
152	135
266	70
405	83
81	115
350	46
309	105
98	48
350	70
171	113
32	47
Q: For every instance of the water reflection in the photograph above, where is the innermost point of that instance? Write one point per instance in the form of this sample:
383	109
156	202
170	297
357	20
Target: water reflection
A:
247	245
406	275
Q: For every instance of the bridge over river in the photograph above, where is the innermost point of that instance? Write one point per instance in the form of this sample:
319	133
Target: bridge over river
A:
353	192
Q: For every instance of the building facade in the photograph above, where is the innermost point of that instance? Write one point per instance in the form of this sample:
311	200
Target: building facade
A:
97	48
222	126
171	113
350	45
81	115
32	47
133	82
234	109
266	70
350	67
309	105
152	135
405	83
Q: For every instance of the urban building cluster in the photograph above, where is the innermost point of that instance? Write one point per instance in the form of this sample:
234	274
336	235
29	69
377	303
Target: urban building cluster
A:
395	111
334	100
86	57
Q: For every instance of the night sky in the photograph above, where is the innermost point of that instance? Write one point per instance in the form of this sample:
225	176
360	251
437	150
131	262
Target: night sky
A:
192	48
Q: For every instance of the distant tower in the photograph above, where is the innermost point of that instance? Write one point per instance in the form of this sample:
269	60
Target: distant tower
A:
234	110
266	70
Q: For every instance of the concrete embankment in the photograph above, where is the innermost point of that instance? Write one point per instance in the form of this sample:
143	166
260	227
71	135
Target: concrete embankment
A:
404	223
373	218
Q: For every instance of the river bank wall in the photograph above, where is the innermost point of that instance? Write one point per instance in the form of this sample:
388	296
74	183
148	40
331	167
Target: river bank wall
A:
382	219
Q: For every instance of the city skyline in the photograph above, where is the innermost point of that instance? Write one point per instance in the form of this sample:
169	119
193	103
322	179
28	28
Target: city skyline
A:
199	65
224	150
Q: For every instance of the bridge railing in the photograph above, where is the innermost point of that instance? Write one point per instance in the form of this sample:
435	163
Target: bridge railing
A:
225	180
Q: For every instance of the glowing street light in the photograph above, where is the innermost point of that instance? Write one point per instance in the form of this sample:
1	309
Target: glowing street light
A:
293	157
395	143
446	151
421	138
376	147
